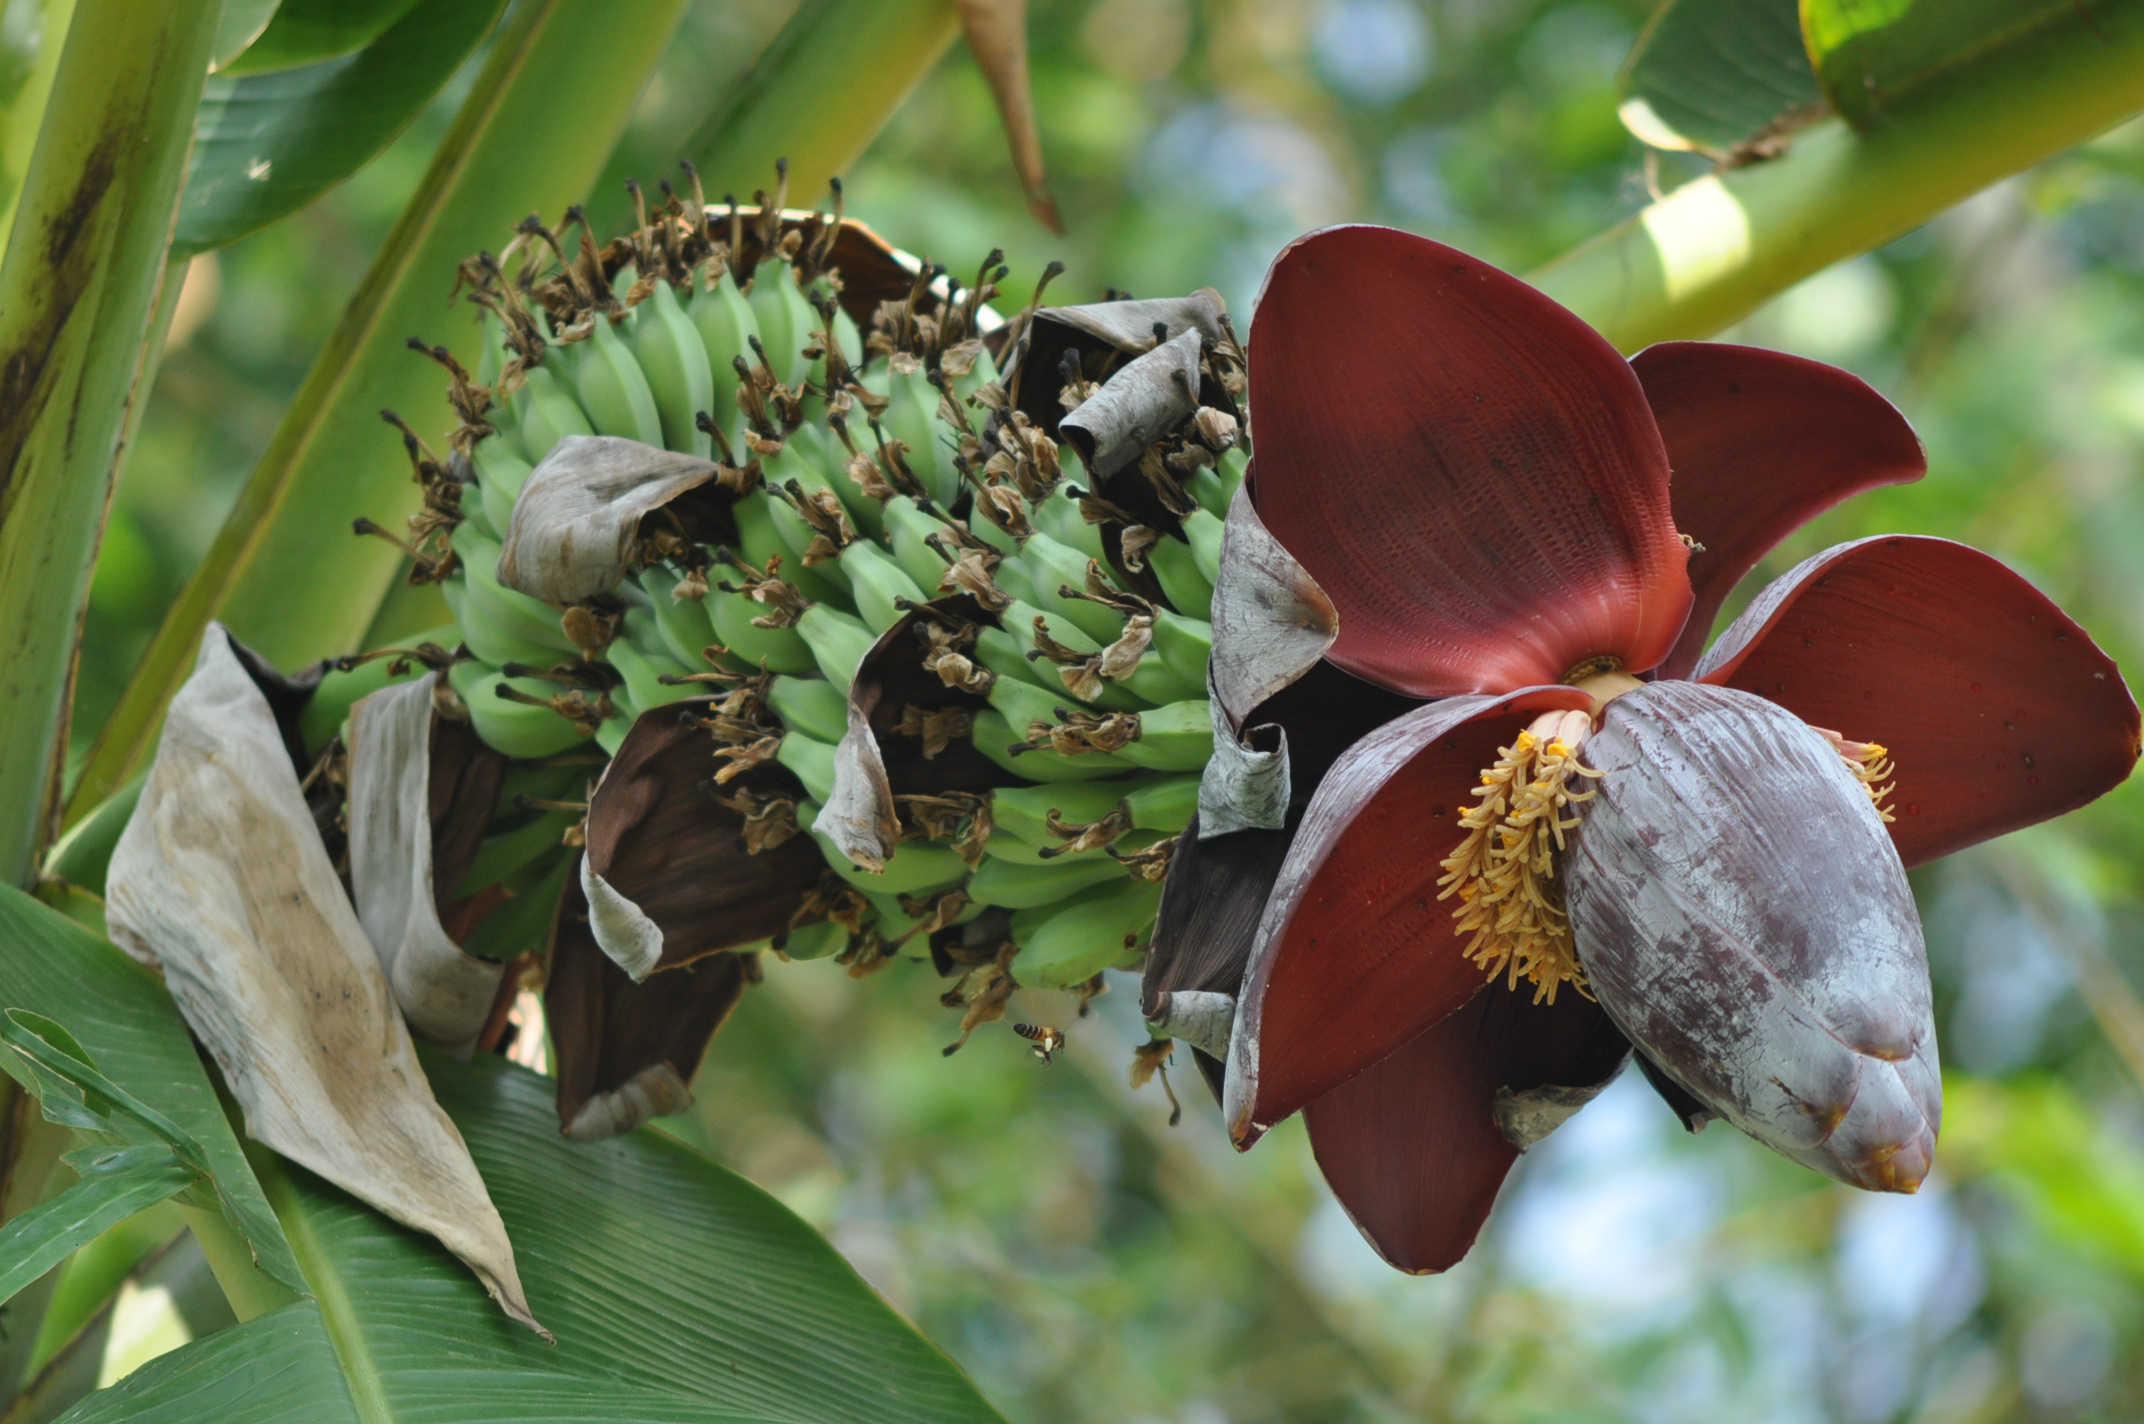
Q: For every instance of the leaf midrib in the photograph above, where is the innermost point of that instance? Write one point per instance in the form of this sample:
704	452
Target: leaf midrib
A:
361	1375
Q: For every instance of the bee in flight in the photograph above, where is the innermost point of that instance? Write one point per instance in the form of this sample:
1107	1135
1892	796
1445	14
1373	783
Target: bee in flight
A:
1047	1041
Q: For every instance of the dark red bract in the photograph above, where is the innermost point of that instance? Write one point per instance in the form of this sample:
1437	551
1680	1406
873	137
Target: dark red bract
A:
1493	499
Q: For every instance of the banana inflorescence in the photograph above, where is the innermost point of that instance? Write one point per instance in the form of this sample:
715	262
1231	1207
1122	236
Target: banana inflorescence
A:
889	535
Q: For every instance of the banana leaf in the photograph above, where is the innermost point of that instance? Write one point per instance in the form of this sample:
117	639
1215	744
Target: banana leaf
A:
265	145
1710	75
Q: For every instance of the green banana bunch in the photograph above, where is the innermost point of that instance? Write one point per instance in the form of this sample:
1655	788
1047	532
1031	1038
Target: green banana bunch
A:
863	480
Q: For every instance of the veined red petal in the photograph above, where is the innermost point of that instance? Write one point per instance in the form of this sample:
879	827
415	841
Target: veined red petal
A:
1760	443
1468	470
1355	954
1413	1147
1998	709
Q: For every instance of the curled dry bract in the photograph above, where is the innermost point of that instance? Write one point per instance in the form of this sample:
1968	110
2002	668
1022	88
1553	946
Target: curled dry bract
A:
1743	917
221	880
1140	403
1099	336
445	993
578	517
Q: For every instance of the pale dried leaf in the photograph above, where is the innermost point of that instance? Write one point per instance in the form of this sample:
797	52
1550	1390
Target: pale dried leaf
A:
858	816
1136	406
445	993
1129	326
1244	787
222	881
577	519
1271	621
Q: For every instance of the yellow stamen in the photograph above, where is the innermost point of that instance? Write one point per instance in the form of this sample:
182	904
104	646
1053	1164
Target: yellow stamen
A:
1503	870
1870	762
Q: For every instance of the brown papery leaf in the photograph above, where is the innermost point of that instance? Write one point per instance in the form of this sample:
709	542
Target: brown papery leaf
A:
627	1052
1271	621
446	994
667	875
1135	407
220	879
1100	337
577	521
997	36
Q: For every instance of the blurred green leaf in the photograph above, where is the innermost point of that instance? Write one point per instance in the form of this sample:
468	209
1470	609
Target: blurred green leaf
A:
268	144
78	289
2036	1138
1716	248
1711	74
1872	54
820	94
240	24
285	572
116	1183
308	31
678	1291
119	1016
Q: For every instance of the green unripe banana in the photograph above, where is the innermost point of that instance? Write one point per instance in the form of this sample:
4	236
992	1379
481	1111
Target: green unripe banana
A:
777	649
642	674
1058	516
525	920
546	413
1070	943
613	390
837	640
908	527
1027	887
764	534
1178	737
815	941
810	705
1049	566
500	474
724	319
879	585
785	319
682	623
518	729
813	762
1203	529
995	738
1183	645
1177	568
674	360
916	867
504	854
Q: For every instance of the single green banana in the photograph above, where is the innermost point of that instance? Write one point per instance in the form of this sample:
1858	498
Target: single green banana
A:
837	640
777	649
1070	942
814	941
1174	564
995	738
682	623
673	358
612	388
917	866
1184	645
546	413
494	609
879	583
643	672
785	319
1178	737
501	855
1050	565
500	474
911	416
763	534
1057	515
518	729
726	325
1203	529
810	705
338	691
813	762
908	527
1028	887
1157	803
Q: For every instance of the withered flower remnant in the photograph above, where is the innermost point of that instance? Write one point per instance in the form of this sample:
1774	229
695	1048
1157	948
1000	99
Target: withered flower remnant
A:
1456	596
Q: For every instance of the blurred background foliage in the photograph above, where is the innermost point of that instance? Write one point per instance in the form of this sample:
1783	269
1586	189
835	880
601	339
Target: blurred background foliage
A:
1088	1263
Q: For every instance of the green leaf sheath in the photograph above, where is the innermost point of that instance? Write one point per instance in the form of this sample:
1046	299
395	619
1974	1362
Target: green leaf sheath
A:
29	54
78	288
116	1183
678	1291
127	1025
1714	250
820	93
284	572
267	144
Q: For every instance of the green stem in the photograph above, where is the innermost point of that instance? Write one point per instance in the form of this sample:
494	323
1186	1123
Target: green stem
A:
1714	250
231	1260
78	287
285	572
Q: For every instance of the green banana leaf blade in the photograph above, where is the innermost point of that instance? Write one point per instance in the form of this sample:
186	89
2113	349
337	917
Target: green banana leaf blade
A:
265	145
116	1183
678	1291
